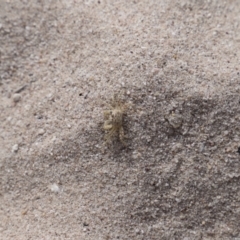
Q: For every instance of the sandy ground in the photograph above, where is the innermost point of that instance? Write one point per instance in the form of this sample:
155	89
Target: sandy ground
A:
176	64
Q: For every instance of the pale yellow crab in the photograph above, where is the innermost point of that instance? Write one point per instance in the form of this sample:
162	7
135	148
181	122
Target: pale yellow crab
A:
113	124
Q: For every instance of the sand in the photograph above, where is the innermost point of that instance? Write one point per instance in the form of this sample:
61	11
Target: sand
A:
175	64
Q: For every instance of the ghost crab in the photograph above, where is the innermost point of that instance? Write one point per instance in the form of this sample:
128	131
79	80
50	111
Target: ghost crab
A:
113	117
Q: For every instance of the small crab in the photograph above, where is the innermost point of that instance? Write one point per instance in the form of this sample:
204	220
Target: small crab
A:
113	124
175	120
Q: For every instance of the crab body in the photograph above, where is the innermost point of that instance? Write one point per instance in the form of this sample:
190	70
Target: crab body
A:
113	124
